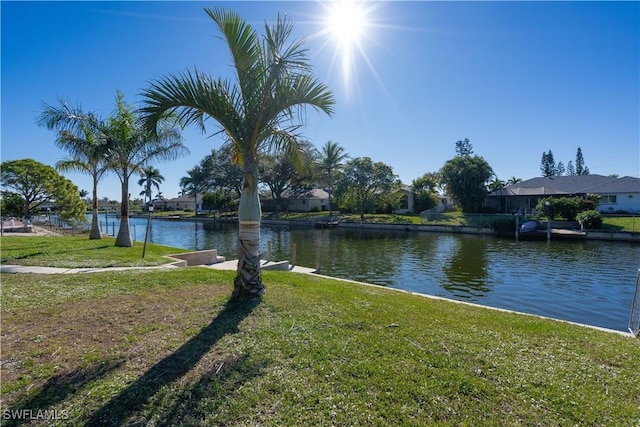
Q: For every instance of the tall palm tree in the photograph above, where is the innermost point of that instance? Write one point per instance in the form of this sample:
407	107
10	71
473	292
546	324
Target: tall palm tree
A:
332	157
79	135
256	112
196	182
131	147
149	178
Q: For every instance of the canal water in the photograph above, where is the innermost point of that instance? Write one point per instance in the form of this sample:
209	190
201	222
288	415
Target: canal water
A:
588	282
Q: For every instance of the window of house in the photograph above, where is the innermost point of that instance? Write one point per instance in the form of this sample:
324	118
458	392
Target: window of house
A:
608	199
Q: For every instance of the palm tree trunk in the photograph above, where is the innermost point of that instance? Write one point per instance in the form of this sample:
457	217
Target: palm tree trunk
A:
248	281
95	234
123	239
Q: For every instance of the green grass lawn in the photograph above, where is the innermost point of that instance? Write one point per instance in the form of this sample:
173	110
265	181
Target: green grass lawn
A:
79	251
167	348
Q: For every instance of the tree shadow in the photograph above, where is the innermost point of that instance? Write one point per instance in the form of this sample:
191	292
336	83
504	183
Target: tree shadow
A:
129	401
58	387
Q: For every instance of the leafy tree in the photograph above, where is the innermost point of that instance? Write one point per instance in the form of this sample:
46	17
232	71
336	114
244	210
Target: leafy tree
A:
259	110
150	178
364	183
80	136
12	204
331	160
571	170
220	199
37	183
131	147
465	180
221	170
560	169
425	192
278	174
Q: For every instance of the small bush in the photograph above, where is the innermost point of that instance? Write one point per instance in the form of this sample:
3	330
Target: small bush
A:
590	219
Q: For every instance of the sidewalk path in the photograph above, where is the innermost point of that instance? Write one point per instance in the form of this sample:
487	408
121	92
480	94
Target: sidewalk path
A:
226	265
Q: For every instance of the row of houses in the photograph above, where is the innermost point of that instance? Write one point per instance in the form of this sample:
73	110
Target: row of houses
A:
617	195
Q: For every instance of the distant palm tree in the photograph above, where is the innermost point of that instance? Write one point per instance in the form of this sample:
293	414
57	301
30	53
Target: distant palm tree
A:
331	161
196	182
149	178
80	136
131	147
256	112
513	180
496	184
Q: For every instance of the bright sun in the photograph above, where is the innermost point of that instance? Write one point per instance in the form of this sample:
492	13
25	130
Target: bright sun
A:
346	22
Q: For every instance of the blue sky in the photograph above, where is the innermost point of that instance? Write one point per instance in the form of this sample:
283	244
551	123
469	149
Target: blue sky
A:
516	78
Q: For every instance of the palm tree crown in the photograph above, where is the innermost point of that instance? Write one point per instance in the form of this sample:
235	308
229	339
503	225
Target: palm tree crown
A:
150	178
80	136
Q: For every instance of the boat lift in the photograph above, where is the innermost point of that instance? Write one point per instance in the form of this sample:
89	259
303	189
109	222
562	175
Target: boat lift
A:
634	319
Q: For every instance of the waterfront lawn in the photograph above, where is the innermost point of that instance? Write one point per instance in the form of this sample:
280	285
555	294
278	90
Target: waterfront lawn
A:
79	252
621	223
165	348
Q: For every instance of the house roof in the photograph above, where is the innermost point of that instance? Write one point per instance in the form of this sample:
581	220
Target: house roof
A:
316	193
626	184
567	185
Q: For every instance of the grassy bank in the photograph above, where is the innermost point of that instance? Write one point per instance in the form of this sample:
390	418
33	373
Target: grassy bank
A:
79	251
165	348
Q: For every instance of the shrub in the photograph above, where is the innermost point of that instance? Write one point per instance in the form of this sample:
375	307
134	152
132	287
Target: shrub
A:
590	219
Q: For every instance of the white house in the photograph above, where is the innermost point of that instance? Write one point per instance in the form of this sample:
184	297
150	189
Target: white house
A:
180	203
617	195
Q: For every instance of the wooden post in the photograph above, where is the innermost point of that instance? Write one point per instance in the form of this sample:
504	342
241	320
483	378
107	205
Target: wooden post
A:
317	259
268	250
293	254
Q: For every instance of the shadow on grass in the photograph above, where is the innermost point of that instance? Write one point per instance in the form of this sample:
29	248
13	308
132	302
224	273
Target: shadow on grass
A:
130	400
58	387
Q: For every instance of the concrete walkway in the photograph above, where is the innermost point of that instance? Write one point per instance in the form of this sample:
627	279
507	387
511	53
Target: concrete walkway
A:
226	265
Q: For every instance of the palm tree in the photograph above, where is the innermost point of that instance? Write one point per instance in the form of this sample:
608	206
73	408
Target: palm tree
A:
79	135
513	180
131	147
496	184
149	178
194	183
256	112
332	157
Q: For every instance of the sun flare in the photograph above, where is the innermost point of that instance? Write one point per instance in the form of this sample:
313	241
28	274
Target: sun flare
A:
346	22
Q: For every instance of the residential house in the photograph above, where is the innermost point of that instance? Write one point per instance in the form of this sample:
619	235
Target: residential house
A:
617	195
316	199
180	203
406	201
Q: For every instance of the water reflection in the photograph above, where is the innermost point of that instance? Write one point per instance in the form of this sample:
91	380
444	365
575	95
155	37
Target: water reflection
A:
466	268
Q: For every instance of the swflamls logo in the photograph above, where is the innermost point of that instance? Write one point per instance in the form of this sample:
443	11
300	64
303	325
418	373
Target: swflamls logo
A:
31	414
